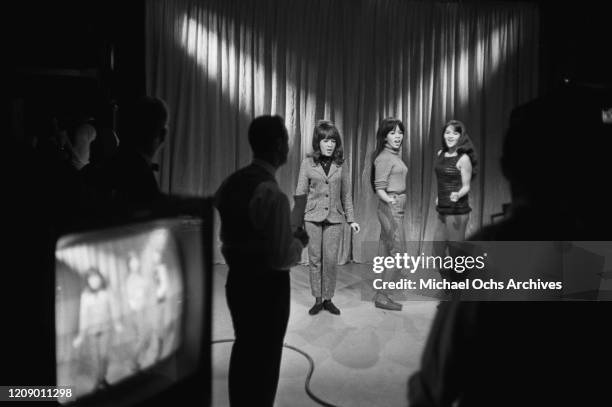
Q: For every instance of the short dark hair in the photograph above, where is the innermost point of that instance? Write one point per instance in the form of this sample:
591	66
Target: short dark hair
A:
324	130
265	132
140	120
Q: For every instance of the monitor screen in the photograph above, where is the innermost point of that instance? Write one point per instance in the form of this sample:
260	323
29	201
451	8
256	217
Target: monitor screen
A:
127	306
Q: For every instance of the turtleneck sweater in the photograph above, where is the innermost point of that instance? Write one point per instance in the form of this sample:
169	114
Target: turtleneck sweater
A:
326	163
390	171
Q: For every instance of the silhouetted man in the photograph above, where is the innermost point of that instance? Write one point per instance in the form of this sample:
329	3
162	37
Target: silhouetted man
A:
259	249
533	353
127	180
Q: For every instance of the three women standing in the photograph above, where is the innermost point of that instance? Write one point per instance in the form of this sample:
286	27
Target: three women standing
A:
324	181
324	184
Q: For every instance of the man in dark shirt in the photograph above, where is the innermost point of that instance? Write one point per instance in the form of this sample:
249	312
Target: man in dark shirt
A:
259	248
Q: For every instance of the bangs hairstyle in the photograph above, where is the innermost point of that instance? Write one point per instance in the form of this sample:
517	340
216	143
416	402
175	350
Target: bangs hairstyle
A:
325	130
386	125
464	144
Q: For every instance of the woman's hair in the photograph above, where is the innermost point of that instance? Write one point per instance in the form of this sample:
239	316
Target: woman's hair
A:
91	272
325	130
386	125
464	144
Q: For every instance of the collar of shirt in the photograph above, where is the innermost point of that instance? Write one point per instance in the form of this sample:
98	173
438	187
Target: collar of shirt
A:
392	150
265	165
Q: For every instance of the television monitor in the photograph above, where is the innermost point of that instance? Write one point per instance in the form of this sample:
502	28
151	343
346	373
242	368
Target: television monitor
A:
132	310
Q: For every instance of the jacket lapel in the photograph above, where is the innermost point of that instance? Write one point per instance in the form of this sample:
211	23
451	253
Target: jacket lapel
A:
319	169
332	170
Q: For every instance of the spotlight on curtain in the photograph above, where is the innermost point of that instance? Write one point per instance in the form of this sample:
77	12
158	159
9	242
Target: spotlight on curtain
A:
219	63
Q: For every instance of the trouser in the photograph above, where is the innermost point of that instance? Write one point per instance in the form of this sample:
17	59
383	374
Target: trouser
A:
141	329
392	235
323	245
449	228
102	344
259	306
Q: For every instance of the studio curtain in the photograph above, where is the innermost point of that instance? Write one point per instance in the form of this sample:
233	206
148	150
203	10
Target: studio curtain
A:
220	63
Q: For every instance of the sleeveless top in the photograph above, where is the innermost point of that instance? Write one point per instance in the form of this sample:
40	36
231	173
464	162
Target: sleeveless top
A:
449	180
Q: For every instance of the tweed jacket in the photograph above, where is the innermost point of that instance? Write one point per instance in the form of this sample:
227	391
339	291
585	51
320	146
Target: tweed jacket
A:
329	196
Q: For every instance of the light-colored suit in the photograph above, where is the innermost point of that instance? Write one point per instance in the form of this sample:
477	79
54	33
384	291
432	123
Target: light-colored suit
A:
329	196
329	204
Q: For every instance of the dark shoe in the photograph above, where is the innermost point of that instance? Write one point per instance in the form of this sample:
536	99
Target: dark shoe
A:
316	308
328	305
384	302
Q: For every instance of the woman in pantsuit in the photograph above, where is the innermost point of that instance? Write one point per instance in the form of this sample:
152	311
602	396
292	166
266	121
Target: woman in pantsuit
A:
388	179
324	181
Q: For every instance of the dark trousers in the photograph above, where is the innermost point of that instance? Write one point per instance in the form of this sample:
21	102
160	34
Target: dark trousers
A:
259	306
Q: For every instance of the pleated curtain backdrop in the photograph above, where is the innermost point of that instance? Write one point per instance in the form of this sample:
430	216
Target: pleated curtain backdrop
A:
220	63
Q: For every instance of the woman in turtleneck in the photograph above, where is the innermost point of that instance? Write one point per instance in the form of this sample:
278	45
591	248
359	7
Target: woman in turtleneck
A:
388	179
325	185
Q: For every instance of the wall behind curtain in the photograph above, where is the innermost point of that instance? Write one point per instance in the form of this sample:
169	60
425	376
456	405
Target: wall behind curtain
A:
220	63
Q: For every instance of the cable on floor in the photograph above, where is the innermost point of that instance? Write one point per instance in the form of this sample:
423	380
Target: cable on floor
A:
311	368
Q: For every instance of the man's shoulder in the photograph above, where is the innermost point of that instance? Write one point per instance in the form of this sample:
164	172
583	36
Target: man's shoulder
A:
239	181
269	189
247	174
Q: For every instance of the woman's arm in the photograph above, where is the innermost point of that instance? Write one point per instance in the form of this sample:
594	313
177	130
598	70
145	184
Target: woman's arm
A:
300	197
112	309
465	166
439	152
382	171
83	318
347	199
302	185
384	196
345	194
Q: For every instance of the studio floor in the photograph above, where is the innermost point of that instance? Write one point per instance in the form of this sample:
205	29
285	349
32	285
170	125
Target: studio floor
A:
362	357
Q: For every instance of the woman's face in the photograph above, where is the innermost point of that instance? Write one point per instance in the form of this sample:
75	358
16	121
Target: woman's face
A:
328	146
94	281
451	137
394	138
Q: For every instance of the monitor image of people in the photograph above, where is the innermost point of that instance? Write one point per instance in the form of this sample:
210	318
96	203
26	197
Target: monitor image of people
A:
118	307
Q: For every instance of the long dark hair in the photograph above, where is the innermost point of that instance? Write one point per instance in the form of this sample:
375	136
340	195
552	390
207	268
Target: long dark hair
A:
464	144
325	130
103	282
386	125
